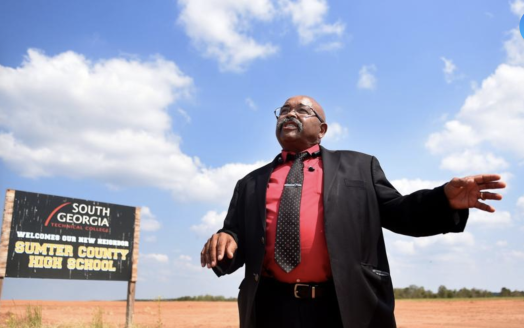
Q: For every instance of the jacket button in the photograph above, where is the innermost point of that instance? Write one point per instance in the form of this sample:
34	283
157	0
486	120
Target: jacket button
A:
256	277
263	241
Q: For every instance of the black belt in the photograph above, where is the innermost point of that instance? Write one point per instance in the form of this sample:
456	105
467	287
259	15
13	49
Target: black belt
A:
298	290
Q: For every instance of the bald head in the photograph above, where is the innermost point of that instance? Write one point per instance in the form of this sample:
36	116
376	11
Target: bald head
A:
307	101
301	124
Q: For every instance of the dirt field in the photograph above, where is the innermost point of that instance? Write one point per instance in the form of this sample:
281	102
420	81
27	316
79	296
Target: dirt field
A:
502	313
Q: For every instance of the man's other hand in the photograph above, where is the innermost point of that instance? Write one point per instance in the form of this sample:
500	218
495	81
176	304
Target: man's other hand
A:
467	192
215	248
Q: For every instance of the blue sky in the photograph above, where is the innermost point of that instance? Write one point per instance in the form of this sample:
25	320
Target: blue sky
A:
166	104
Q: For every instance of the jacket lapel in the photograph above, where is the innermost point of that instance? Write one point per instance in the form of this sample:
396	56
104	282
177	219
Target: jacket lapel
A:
261	190
331	162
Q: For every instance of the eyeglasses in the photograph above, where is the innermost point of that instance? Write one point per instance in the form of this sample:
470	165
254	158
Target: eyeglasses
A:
304	112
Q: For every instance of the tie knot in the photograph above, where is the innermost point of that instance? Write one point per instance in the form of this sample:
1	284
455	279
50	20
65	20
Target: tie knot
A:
302	156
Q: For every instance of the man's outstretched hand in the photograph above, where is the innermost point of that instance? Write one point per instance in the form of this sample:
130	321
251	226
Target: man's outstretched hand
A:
215	248
468	192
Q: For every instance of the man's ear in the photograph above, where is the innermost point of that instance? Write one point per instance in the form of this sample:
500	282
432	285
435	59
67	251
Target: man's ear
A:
323	130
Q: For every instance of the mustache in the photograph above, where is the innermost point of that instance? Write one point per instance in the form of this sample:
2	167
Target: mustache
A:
281	123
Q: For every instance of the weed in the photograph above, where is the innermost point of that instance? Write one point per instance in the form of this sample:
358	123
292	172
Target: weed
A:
98	319
159	323
32	318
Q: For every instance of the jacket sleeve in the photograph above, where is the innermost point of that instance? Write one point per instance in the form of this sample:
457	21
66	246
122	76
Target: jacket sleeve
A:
233	227
421	213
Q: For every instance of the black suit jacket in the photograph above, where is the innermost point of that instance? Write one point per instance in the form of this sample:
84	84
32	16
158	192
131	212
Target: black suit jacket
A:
358	202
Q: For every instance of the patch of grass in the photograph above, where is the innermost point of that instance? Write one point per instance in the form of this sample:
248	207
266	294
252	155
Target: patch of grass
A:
31	319
34	317
98	319
159	323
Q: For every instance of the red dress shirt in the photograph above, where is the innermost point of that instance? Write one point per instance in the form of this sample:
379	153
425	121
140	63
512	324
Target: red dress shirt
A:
314	265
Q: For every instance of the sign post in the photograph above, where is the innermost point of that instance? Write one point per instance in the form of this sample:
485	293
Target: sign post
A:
132	282
55	237
6	230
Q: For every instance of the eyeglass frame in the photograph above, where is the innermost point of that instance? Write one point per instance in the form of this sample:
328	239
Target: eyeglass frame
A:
295	110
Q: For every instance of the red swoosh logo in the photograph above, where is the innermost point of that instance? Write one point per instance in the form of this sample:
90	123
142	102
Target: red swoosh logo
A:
53	213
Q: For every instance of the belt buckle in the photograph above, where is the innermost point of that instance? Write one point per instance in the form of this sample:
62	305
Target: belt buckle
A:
295	290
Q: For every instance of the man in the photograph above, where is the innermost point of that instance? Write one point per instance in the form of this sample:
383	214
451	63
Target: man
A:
309	231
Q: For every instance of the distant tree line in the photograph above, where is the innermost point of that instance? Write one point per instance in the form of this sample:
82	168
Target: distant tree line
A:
200	298
412	291
205	298
419	292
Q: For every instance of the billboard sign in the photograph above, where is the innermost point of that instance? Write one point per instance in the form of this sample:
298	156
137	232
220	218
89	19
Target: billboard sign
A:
67	238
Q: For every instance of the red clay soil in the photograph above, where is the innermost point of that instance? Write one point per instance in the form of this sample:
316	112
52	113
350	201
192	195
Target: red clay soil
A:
503	313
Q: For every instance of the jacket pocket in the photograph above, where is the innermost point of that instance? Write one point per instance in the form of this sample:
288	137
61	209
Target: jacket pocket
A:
380	282
374	270
380	273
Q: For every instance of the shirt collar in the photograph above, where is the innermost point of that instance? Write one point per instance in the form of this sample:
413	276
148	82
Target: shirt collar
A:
310	150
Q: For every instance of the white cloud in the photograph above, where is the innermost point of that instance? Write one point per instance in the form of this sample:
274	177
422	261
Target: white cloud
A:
449	70
456	258
308	16
515	48
407	186
221	29
517	255
367	79
336	132
404	247
160	258
148	221
507	177
67	116
251	104
517	7
211	222
474	85
184	257
490	119
224	30
184	114
442	242
449	239
184	266
217	182
472	162
154	272
520	204
330	46
501	243
150	239
456	136
499	99
499	219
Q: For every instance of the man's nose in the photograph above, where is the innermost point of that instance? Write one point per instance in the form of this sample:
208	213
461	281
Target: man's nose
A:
292	112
